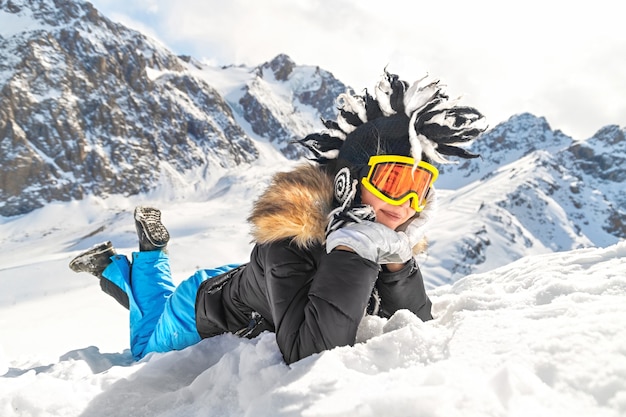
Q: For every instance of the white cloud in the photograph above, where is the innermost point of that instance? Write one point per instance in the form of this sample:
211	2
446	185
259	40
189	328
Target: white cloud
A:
555	59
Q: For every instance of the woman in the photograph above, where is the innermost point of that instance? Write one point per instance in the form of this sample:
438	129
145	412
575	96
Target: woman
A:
334	239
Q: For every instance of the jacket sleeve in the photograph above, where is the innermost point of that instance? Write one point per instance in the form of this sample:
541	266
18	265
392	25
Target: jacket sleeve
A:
317	302
404	289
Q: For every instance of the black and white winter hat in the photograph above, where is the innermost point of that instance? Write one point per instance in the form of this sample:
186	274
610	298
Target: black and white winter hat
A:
417	120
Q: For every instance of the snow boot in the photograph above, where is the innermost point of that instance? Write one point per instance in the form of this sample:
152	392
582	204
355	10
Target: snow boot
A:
150	231
95	261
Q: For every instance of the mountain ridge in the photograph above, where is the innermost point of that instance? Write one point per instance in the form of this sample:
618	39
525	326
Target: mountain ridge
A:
88	106
91	108
537	201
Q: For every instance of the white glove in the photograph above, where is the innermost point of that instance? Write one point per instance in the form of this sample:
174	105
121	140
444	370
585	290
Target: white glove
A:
373	241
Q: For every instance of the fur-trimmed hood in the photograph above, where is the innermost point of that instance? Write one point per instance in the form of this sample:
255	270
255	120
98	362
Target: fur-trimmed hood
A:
295	205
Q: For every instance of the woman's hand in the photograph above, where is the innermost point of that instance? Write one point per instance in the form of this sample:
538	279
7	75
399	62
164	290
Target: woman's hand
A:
373	241
392	267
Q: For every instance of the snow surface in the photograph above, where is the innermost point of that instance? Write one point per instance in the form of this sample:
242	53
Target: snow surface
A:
542	336
12	24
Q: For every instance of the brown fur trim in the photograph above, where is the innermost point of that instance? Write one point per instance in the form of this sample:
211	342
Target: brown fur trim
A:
295	205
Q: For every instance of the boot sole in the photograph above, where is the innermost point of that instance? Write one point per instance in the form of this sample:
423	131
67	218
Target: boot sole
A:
150	221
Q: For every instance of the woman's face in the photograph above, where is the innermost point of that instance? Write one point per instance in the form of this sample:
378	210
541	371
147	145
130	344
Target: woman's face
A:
387	214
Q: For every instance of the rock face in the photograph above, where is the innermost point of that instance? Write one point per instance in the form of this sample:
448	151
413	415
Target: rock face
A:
88	106
271	115
599	164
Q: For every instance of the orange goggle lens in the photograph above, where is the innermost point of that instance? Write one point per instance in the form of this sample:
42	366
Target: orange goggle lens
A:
396	179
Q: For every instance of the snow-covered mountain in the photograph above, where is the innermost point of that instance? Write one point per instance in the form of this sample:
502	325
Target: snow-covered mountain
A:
534	190
88	106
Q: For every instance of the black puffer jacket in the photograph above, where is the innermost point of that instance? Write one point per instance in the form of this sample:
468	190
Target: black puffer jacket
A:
312	300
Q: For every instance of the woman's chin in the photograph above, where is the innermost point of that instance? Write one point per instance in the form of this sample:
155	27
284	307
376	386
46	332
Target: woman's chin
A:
389	223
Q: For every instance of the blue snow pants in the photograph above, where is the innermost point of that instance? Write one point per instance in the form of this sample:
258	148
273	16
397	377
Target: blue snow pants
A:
162	315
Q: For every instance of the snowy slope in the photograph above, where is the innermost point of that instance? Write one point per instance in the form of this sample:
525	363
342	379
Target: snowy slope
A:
542	336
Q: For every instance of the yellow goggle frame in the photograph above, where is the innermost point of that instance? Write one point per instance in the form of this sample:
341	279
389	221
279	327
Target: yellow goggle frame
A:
396	179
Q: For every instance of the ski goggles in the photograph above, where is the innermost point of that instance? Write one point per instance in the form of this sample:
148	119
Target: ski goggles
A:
396	179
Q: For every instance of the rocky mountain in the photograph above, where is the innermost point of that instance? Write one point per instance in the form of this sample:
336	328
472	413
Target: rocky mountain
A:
308	92
88	106
533	191
501	145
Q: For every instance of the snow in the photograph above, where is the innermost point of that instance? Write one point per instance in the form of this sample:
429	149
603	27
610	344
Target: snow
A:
276	96
12	24
541	336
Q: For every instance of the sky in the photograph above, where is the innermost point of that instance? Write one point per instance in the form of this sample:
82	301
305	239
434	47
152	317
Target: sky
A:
558	59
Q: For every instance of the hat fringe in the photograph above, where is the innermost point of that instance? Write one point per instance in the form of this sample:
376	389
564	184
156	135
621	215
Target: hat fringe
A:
437	128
